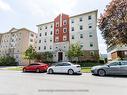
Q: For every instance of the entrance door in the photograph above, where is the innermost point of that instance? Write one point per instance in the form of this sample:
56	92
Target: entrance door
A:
60	56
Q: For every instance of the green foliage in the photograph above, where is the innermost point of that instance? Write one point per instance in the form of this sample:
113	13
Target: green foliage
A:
74	51
30	54
113	23
8	61
44	57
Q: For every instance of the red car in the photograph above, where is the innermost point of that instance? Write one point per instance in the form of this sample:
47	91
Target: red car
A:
37	67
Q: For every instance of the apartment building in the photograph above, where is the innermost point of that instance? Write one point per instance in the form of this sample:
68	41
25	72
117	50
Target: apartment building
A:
15	42
56	36
117	52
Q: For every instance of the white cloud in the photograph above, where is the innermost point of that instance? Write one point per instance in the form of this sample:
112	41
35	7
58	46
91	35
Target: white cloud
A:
4	6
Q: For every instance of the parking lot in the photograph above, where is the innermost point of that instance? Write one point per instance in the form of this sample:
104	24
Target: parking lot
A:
18	83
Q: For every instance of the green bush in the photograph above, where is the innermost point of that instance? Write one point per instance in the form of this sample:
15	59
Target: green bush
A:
88	63
8	61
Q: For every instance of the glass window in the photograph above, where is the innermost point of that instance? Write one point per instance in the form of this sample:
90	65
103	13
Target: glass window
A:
57	39
57	24
90	26
81	27
114	64
44	47
90	35
64	38
45	40
91	44
51	33
40	34
45	33
81	35
65	30
72	20
73	37
64	22
45	27
72	28
57	31
39	41
123	63
39	48
89	17
80	19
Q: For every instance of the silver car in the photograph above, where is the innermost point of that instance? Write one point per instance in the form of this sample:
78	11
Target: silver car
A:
112	68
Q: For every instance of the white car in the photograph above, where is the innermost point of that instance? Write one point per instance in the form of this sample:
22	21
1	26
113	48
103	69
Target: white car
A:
64	67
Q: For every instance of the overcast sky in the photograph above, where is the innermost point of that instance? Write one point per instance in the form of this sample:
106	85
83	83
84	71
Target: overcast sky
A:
29	13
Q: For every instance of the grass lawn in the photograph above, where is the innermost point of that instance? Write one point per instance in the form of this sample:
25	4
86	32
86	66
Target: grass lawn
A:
15	68
86	69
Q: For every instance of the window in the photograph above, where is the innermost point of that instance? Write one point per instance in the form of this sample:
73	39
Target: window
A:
80	19
114	64
89	17
31	40
65	30
45	27
123	63
90	35
39	48
81	27
57	24
32	35
64	46
91	44
64	38
50	40
40	34
90	26
81	46
57	39
40	28
72	28
72	20
45	40
44	47
73	37
64	22
57	31
92	53
51	33
81	35
45	33
50	47
39	41
51	26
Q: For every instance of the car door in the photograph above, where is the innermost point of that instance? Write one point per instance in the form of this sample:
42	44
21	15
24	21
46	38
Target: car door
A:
66	67
123	68
114	68
30	67
58	68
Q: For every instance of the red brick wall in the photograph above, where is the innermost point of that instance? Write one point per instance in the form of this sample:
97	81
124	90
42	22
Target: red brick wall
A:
60	28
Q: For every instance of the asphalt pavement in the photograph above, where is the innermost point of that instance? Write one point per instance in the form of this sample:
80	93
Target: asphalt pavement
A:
18	83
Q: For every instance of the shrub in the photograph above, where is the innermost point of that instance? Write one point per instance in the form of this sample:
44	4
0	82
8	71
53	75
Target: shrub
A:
8	61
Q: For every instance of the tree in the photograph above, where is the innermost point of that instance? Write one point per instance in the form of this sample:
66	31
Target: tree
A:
113	23
30	54
75	52
45	57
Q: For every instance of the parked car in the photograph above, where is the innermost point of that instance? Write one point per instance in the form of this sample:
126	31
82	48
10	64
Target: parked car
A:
36	67
64	67
112	68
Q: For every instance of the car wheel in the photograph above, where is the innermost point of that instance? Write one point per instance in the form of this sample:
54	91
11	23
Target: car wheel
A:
37	70
101	73
70	72
24	70
50	71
